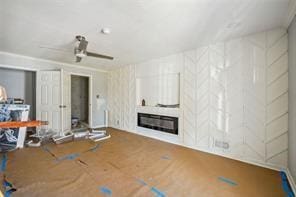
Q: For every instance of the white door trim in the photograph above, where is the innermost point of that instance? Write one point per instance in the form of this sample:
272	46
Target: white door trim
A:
62	101
18	68
90	93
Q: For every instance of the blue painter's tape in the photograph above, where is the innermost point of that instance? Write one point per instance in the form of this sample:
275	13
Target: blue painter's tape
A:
3	162
157	192
228	181
6	183
8	188
106	191
286	185
9	192
69	157
165	157
141	182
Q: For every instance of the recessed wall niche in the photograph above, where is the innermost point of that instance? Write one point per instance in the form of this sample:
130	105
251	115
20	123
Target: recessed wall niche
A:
161	89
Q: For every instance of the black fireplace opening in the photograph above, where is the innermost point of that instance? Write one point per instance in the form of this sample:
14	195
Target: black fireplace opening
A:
166	124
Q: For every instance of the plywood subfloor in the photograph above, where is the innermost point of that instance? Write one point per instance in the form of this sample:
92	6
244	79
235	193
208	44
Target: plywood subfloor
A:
133	165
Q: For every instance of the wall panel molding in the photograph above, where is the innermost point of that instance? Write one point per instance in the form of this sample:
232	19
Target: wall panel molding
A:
234	97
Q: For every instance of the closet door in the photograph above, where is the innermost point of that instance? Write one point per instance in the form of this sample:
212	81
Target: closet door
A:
66	101
48	99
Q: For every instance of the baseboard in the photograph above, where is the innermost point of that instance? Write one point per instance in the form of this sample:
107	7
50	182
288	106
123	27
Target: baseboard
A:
291	180
150	136
98	126
264	165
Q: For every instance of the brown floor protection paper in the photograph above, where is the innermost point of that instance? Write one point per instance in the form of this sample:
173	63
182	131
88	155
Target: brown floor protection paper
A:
133	165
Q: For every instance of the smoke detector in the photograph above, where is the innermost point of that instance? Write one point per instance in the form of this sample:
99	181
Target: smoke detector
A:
106	30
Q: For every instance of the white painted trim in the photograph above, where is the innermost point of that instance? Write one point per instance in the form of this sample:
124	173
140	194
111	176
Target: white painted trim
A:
106	117
18	67
291	13
291	180
268	166
98	126
167	137
90	94
80	74
62	111
264	165
52	62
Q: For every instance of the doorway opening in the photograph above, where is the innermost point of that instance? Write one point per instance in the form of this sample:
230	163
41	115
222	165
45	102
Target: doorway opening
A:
80	103
20	87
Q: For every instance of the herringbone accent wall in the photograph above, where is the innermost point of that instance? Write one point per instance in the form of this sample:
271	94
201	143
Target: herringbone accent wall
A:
234	98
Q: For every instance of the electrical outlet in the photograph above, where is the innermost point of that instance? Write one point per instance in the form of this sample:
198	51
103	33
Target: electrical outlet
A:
221	144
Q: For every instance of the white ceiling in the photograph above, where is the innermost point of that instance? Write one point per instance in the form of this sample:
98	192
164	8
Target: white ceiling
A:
141	29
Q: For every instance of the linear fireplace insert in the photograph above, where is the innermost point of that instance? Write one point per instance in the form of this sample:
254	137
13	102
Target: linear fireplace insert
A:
166	124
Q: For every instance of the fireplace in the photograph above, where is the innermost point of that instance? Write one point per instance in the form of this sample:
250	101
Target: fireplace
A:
166	124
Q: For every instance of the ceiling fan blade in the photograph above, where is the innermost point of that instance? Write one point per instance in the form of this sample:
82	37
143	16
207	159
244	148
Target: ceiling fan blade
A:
54	49
99	55
78	59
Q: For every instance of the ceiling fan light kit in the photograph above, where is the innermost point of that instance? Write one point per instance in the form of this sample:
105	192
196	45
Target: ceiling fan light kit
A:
80	54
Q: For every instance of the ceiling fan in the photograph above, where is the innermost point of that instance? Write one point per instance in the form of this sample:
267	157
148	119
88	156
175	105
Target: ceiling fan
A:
80	51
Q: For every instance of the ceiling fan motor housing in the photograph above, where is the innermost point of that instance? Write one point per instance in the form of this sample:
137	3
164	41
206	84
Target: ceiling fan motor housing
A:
80	51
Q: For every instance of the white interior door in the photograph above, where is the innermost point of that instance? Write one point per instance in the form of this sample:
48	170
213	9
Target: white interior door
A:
66	95
48	99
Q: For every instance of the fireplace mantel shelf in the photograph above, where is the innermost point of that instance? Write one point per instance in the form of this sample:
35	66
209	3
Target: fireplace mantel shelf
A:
174	112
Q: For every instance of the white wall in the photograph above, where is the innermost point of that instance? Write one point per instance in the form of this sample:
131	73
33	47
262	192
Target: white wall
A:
235	92
99	77
20	84
292	99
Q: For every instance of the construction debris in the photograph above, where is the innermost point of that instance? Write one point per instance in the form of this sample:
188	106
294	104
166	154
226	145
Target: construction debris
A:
62	139
99	135
94	135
